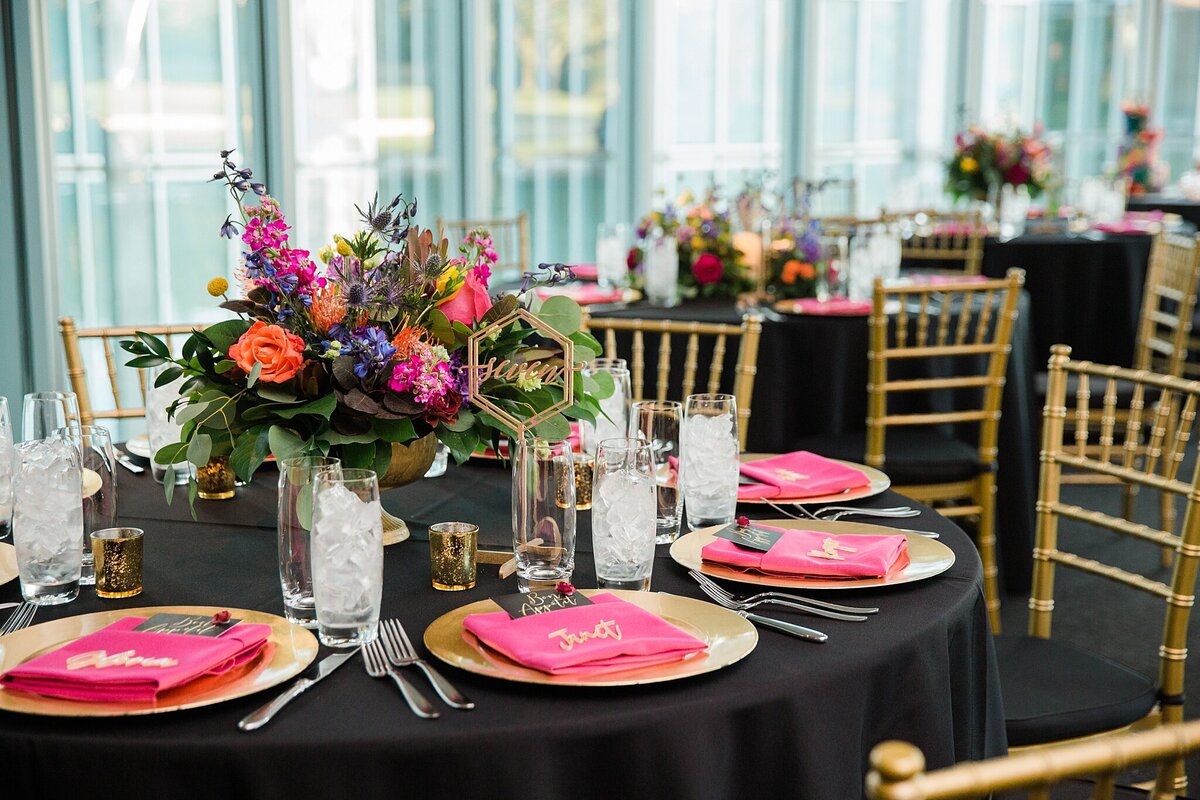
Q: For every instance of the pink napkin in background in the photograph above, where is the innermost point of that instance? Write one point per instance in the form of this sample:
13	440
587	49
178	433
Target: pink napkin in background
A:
1152	215
586	272
628	637
196	656
799	474
834	306
1133	222
872	557
957	229
585	293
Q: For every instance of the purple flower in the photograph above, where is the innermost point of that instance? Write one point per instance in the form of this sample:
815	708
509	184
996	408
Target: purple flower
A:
374	351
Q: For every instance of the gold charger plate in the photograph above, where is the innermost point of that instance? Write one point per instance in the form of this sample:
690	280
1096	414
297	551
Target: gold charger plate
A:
927	557
8	563
729	638
290	649
879	483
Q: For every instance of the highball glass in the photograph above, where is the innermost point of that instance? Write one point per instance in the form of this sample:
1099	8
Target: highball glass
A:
347	556
45	412
160	427
658	423
612	251
623	514
708	470
543	509
98	460
48	520
293	526
6	468
614	422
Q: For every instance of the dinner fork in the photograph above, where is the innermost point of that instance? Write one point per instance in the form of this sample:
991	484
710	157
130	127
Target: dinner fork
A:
712	590
377	666
21	618
401	653
812	517
896	512
799	631
704	579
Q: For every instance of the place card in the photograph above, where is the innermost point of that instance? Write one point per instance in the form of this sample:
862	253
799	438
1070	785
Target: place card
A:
751	536
189	624
539	602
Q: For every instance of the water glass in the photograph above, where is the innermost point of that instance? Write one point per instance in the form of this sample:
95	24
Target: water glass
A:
161	429
46	412
543	513
293	526
48	520
615	419
612	250
6	468
658	423
623	514
98	462
441	459
662	270
347	556
708	470
119	554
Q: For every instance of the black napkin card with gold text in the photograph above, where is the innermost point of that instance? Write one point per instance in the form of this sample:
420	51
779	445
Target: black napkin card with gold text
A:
531	603
190	624
750	536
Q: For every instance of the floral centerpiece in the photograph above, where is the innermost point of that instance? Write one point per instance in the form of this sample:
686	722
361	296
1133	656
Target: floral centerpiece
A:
709	264
1137	154
360	349
984	160
796	258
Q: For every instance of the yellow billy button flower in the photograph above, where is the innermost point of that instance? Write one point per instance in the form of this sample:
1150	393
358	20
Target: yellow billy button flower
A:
968	164
218	286
343	247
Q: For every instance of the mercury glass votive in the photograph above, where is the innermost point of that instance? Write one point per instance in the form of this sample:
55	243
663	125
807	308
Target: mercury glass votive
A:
452	549
118	555
583	482
216	479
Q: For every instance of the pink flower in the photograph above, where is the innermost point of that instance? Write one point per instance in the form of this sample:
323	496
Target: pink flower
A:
471	302
707	269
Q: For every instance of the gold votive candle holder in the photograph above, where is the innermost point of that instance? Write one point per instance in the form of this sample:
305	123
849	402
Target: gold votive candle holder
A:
584	467
118	555
216	479
452	549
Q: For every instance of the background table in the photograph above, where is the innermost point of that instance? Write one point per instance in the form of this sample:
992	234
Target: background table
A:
793	719
1177	204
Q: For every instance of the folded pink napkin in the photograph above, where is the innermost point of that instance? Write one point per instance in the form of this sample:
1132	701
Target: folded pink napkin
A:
834	306
585	293
811	553
608	636
1130	224
799	474
119	664
585	272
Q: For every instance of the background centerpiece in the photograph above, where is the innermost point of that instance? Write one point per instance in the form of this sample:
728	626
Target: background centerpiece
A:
1137	154
984	160
360	353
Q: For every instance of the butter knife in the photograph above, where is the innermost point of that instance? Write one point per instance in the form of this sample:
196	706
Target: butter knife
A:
262	716
124	461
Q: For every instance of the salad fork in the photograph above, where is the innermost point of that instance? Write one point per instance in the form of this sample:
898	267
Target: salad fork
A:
21	618
702	579
400	652
714	591
377	666
799	631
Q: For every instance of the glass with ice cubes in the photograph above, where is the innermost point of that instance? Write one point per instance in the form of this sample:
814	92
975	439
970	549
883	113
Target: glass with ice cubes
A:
347	556
6	468
708	469
48	519
624	507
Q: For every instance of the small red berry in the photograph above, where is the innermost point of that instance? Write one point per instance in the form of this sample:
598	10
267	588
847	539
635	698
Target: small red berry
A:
565	588
221	617
743	521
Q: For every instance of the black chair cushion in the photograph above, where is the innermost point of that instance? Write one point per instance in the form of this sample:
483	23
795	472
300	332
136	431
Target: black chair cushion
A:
912	455
1054	690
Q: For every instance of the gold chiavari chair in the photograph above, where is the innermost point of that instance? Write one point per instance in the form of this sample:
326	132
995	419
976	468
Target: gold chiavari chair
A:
897	769
1054	690
73	339
952	238
747	334
510	236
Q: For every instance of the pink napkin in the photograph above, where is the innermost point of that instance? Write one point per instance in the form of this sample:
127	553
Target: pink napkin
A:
608	636
871	556
586	272
180	658
1133	222
957	229
834	306
799	474
585	293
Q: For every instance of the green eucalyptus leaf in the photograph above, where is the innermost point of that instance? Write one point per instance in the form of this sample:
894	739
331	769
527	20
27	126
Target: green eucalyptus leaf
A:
586	347
601	384
561	313
199	449
171	453
555	428
276	394
321	407
223	366
335	438
461	443
465	421
193	491
284	443
304	505
358	455
191	411
169	483
255	371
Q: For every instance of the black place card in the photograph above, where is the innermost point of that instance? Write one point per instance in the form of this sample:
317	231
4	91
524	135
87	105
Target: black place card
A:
189	624
543	602
751	536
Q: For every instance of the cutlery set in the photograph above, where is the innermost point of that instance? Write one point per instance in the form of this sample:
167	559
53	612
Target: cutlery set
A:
21	618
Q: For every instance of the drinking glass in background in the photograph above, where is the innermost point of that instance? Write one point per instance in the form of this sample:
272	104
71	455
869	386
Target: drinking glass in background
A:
6	468
623	514
294	526
347	556
1014	210
46	412
612	250
48	520
615	420
98	463
661	268
658	423
543	513
831	281
161	429
441	459
708	472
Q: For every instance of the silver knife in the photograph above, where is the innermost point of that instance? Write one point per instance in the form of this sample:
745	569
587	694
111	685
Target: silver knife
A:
8	605
124	461
262	716
799	631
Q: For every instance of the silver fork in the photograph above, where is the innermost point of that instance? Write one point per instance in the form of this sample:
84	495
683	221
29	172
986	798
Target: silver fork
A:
809	516
704	579
377	666
21	618
790	628
895	512
401	653
712	589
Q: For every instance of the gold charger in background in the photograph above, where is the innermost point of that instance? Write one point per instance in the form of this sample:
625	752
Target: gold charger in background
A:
879	483
8	563
289	650
927	557
729	638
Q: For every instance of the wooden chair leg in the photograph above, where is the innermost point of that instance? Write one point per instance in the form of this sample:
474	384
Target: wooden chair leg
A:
987	546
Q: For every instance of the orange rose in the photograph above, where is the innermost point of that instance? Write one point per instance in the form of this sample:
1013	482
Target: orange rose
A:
280	353
790	271
808	271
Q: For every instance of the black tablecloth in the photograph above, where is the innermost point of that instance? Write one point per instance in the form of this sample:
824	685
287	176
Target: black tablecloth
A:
1188	209
793	719
812	380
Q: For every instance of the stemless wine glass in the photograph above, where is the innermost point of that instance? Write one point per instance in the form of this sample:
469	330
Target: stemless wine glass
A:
709	461
614	422
612	250
661	268
623	514
658	423
293	527
161	429
48	520
46	412
543	513
347	556
6	468
98	462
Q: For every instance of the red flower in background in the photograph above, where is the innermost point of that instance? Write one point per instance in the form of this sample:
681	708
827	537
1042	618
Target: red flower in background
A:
707	269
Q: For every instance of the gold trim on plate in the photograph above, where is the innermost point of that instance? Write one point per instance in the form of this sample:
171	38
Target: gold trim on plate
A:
729	638
290	649
927	557
879	484
8	563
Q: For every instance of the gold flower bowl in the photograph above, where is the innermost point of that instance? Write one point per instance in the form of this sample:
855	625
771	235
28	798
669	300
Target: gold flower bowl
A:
409	463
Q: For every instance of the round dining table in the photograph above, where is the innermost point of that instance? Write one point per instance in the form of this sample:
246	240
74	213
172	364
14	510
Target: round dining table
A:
791	719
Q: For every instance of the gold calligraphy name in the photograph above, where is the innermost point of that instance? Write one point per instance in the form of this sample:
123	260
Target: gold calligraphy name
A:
829	549
543	603
100	659
605	629
508	370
